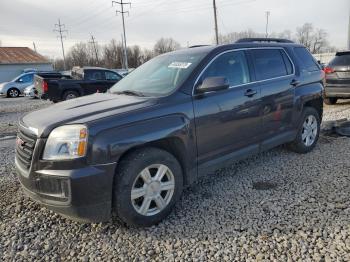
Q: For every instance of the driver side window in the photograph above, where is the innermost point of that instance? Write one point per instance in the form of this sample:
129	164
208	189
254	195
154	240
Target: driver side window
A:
232	65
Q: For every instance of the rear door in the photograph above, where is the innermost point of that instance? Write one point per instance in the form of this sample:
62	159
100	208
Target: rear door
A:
111	78
274	72
95	81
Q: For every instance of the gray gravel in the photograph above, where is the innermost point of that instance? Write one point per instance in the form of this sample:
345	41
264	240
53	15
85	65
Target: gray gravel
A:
275	206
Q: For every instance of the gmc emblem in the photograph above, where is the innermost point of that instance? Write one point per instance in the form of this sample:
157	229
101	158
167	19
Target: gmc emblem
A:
20	143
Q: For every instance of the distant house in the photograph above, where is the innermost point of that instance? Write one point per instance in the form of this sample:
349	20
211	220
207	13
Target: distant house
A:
13	60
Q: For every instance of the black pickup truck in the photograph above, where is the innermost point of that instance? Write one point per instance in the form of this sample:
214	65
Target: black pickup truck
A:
175	118
84	81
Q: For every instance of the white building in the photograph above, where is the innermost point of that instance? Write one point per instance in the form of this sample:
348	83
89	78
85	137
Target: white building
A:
13	60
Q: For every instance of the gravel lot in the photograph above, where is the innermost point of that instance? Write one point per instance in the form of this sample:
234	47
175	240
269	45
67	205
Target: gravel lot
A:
275	206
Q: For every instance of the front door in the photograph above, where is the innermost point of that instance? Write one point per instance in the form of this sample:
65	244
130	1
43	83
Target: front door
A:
228	122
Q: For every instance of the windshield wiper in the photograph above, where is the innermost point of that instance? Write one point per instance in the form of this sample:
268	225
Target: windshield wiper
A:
129	92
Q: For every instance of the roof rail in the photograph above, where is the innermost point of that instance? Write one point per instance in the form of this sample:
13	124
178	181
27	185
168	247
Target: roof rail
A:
269	40
194	46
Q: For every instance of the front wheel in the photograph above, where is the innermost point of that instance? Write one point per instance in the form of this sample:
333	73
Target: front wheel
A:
13	92
308	132
148	183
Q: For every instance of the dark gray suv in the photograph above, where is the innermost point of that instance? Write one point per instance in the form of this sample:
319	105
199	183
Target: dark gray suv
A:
179	116
337	78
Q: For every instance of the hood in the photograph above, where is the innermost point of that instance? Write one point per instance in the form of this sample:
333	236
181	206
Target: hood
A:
81	110
3	84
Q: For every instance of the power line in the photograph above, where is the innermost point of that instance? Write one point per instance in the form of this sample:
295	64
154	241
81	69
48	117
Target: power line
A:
122	12
94	45
58	28
216	23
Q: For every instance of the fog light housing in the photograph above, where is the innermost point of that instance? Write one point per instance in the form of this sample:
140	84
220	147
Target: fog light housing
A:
53	188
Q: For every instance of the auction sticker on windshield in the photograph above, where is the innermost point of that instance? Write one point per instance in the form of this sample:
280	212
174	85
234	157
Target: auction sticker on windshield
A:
182	65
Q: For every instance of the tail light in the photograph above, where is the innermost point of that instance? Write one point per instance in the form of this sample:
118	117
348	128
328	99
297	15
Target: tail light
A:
45	87
328	70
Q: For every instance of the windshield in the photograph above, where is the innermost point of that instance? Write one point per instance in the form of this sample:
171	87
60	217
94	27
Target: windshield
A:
17	77
159	76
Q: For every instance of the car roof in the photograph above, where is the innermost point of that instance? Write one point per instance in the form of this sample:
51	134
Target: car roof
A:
224	47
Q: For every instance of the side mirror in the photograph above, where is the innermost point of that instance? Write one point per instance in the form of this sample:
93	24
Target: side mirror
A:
211	84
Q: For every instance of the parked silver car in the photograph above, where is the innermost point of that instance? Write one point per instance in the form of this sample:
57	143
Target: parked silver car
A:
30	91
16	87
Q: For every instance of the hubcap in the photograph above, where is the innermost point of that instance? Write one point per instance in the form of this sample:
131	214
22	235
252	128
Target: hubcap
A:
310	129
13	93
70	96
152	189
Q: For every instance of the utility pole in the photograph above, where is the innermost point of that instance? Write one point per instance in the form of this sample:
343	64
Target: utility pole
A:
34	47
58	28
349	32
121	3
267	23
216	23
94	45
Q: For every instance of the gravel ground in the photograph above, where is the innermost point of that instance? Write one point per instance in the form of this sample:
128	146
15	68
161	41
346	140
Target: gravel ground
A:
277	206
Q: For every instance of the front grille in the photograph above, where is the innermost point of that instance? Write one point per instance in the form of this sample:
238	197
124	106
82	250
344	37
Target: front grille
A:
25	144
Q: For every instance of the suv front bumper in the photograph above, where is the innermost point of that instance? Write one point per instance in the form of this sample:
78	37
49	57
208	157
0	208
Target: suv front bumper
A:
83	194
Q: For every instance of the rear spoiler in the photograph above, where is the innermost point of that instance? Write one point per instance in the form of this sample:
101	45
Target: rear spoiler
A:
342	53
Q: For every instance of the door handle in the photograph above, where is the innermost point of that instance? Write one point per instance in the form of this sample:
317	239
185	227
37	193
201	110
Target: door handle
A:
295	82
250	92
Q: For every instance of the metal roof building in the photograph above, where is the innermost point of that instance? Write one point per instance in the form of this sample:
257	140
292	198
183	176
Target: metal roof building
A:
13	60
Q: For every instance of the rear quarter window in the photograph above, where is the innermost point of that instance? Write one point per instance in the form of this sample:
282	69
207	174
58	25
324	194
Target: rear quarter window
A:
306	60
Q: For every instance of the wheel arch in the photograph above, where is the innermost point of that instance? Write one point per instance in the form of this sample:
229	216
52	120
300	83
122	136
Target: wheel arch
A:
172	145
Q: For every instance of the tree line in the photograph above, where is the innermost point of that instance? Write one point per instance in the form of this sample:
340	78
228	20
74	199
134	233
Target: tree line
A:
111	54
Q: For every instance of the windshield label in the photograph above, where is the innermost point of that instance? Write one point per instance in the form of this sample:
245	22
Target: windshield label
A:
182	65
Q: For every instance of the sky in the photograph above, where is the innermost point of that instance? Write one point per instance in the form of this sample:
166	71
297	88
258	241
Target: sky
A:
23	22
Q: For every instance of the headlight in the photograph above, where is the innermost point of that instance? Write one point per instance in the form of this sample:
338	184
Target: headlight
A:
66	142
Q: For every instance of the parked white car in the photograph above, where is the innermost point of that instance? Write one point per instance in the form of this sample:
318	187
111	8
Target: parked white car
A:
30	91
16	87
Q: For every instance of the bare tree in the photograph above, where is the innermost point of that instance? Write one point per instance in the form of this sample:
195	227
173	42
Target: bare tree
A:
304	35
165	45
234	36
320	41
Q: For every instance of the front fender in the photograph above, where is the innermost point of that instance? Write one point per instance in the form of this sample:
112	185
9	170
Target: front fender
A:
108	145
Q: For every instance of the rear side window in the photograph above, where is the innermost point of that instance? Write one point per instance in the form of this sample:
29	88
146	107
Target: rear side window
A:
308	63
269	63
94	75
340	60
112	76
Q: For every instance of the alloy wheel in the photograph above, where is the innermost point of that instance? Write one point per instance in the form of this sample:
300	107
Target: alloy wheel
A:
152	189
310	129
13	93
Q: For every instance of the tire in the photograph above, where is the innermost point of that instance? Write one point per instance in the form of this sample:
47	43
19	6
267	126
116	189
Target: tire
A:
13	92
330	100
70	95
131	177
304	144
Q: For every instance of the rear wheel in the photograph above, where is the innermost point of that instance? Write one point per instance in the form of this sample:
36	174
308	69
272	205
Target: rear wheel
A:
70	95
13	92
147	185
330	100
308	132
